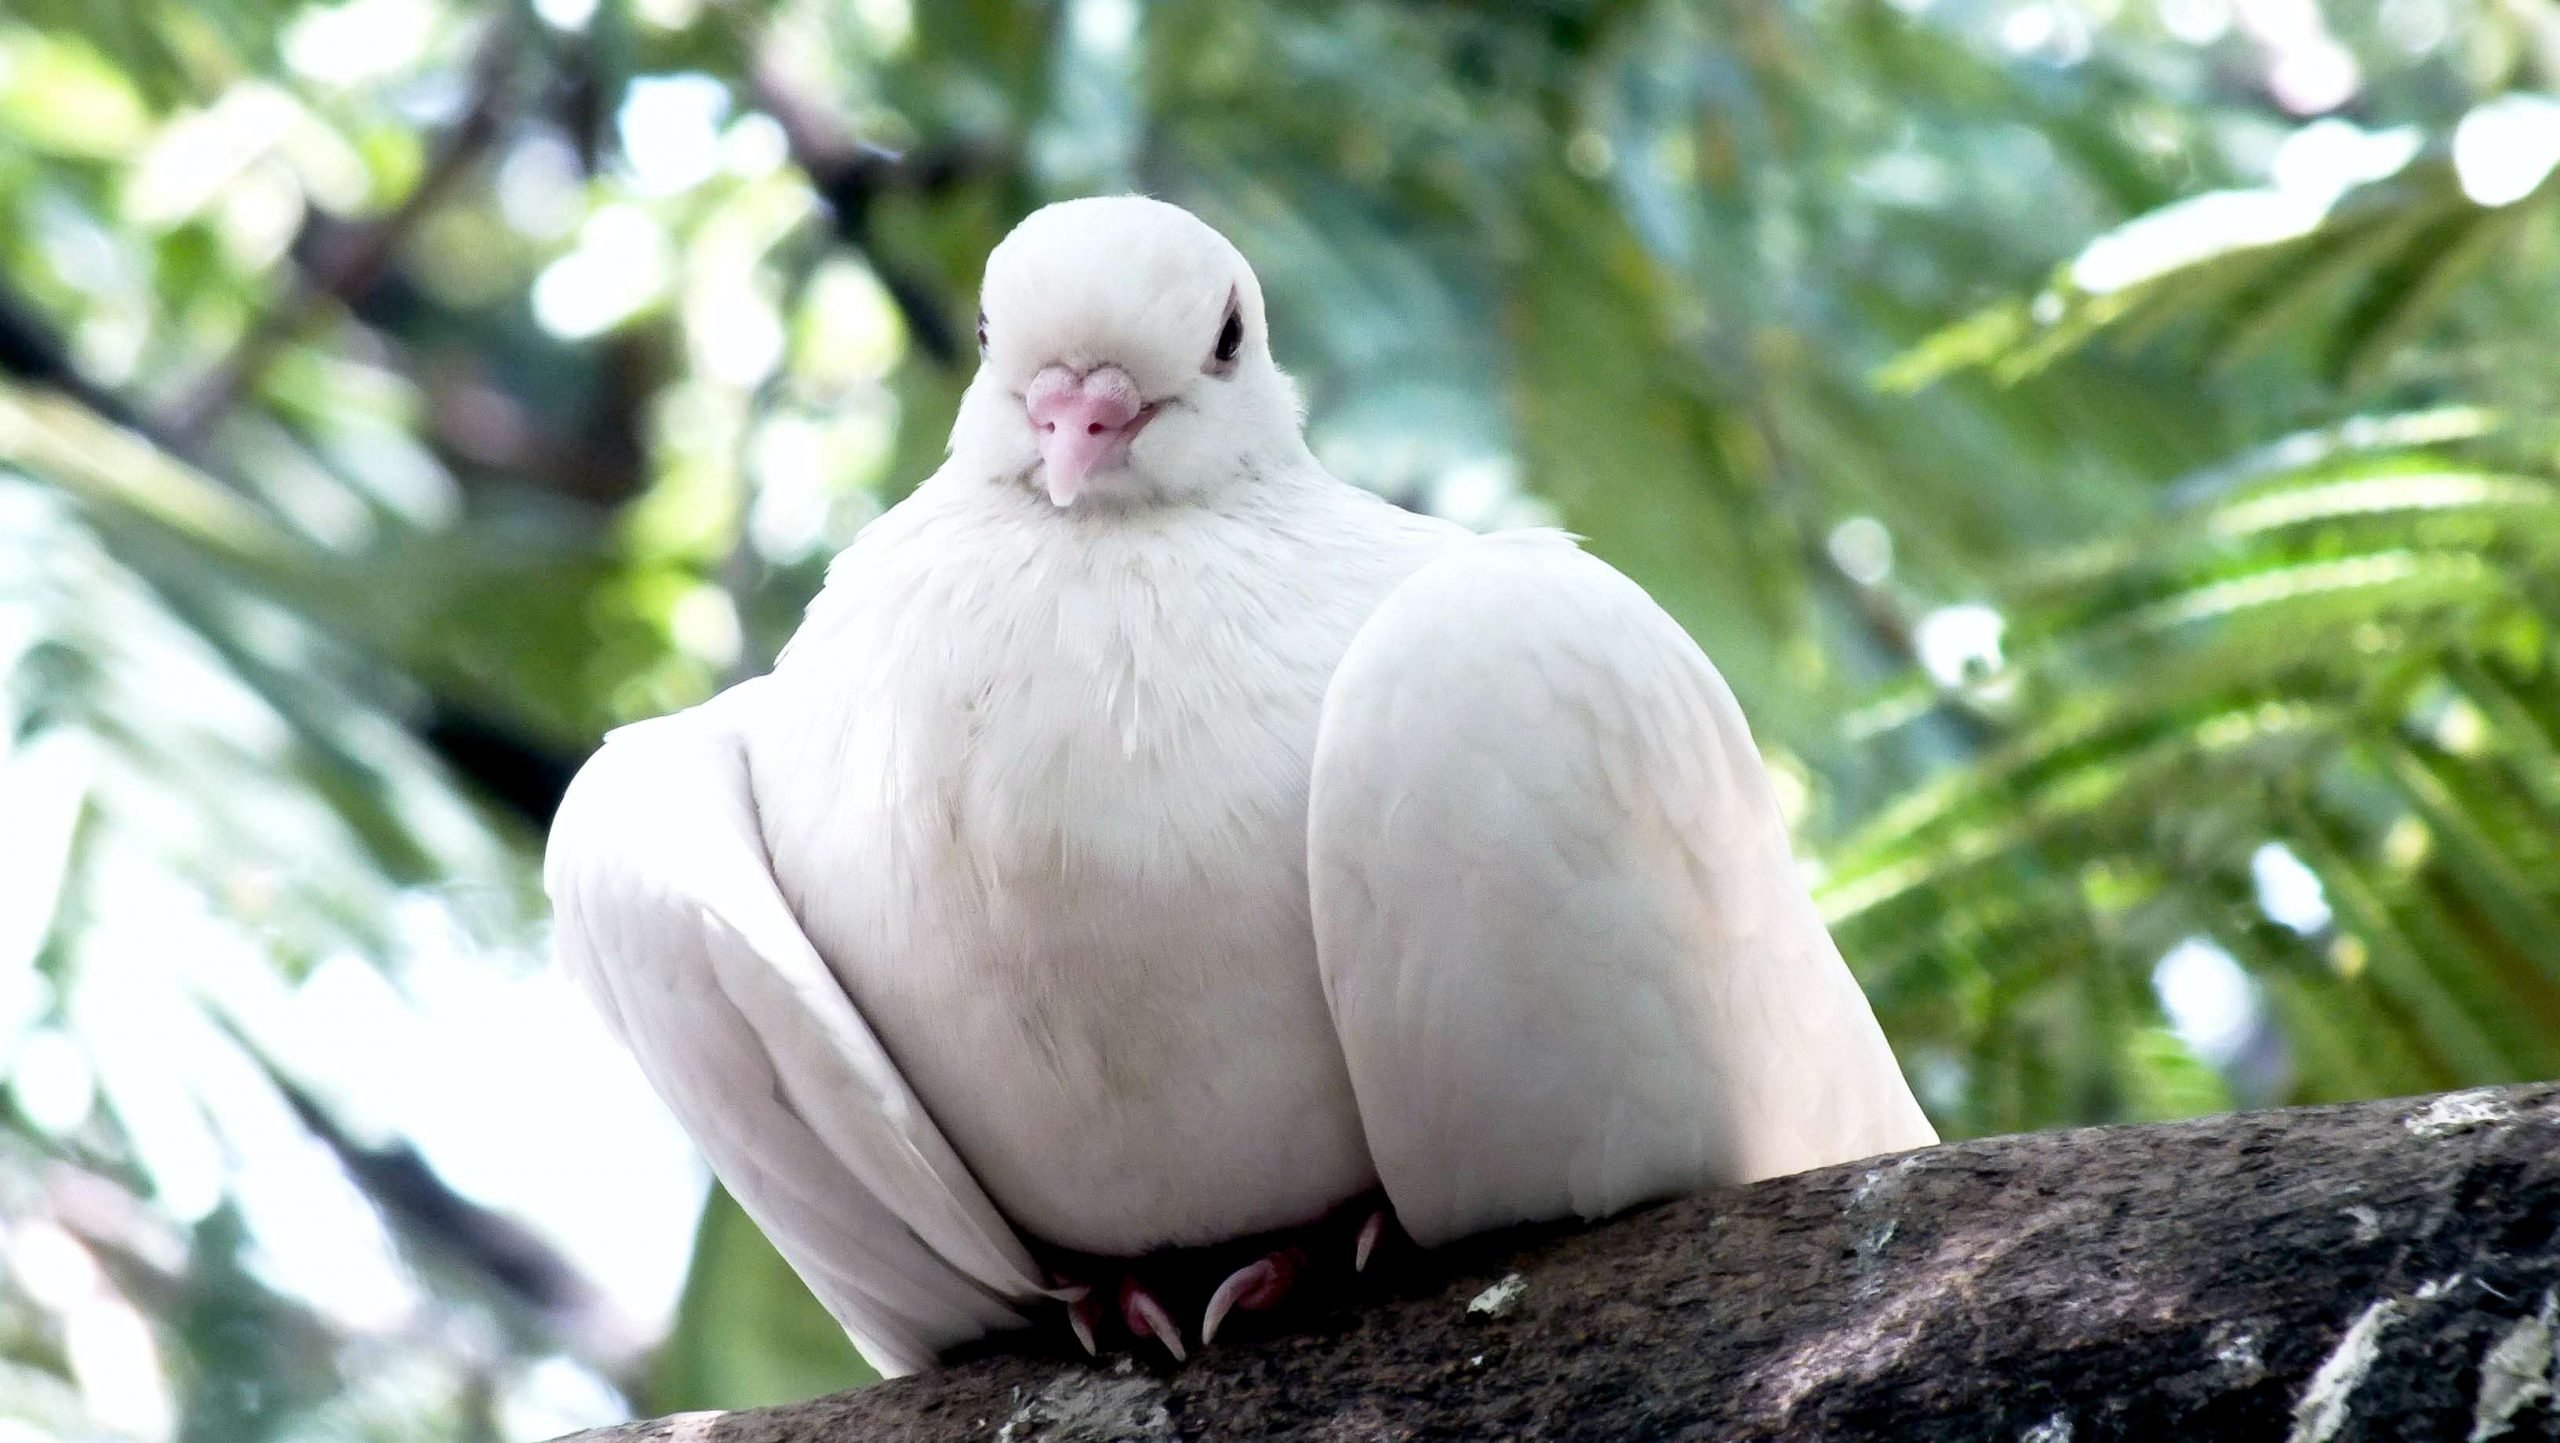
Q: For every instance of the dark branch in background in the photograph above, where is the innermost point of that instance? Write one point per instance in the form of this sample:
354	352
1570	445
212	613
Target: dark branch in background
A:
507	765
336	262
33	351
2383	1270
851	176
492	1246
357	261
343	264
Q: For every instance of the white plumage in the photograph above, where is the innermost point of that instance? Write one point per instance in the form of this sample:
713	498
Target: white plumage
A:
1149	840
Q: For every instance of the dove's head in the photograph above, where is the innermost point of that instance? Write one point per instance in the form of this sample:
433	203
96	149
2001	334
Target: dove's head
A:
1125	360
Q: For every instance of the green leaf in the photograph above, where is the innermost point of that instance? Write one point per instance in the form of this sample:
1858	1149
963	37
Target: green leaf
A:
1665	492
747	1332
2164	1078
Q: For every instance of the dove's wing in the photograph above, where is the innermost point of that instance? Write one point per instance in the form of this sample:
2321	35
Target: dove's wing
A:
668	915
1567	948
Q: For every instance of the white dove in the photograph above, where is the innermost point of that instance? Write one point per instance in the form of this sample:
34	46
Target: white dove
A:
1149	840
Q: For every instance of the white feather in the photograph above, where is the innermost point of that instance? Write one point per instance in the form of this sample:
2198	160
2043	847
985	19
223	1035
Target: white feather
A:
1561	931
666	914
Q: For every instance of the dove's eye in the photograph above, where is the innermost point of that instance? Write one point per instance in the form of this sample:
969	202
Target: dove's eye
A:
982	334
1230	338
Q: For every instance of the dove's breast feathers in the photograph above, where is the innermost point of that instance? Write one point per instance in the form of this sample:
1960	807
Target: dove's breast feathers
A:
1043	808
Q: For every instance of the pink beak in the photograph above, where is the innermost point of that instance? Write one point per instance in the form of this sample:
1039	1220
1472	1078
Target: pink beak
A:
1082	424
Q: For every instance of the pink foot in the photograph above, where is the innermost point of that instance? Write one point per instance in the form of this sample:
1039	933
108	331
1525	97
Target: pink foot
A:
1303	1259
1147	1318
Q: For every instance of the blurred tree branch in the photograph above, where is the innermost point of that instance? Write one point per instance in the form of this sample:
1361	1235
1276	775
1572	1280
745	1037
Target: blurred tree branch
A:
342	270
2377	1270
497	1249
852	175
32	350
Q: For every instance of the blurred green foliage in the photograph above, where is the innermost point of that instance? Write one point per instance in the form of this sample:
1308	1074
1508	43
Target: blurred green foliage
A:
2107	443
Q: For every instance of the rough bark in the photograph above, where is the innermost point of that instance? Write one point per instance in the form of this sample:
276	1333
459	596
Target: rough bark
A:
2378	1270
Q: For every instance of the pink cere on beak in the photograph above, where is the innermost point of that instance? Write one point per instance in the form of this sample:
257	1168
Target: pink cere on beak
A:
1082	424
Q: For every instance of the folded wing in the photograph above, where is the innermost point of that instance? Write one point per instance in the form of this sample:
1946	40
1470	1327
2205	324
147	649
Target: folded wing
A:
1565	942
668	915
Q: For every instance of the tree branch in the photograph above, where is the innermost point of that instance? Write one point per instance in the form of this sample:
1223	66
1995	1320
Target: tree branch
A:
851	175
2377	1270
350	268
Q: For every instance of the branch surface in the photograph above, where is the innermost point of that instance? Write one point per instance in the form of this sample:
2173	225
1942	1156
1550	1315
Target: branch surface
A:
2369	1271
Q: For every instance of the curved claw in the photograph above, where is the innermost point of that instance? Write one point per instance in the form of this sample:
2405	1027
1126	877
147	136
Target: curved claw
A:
1082	1313
1370	1232
1147	1318
1255	1286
